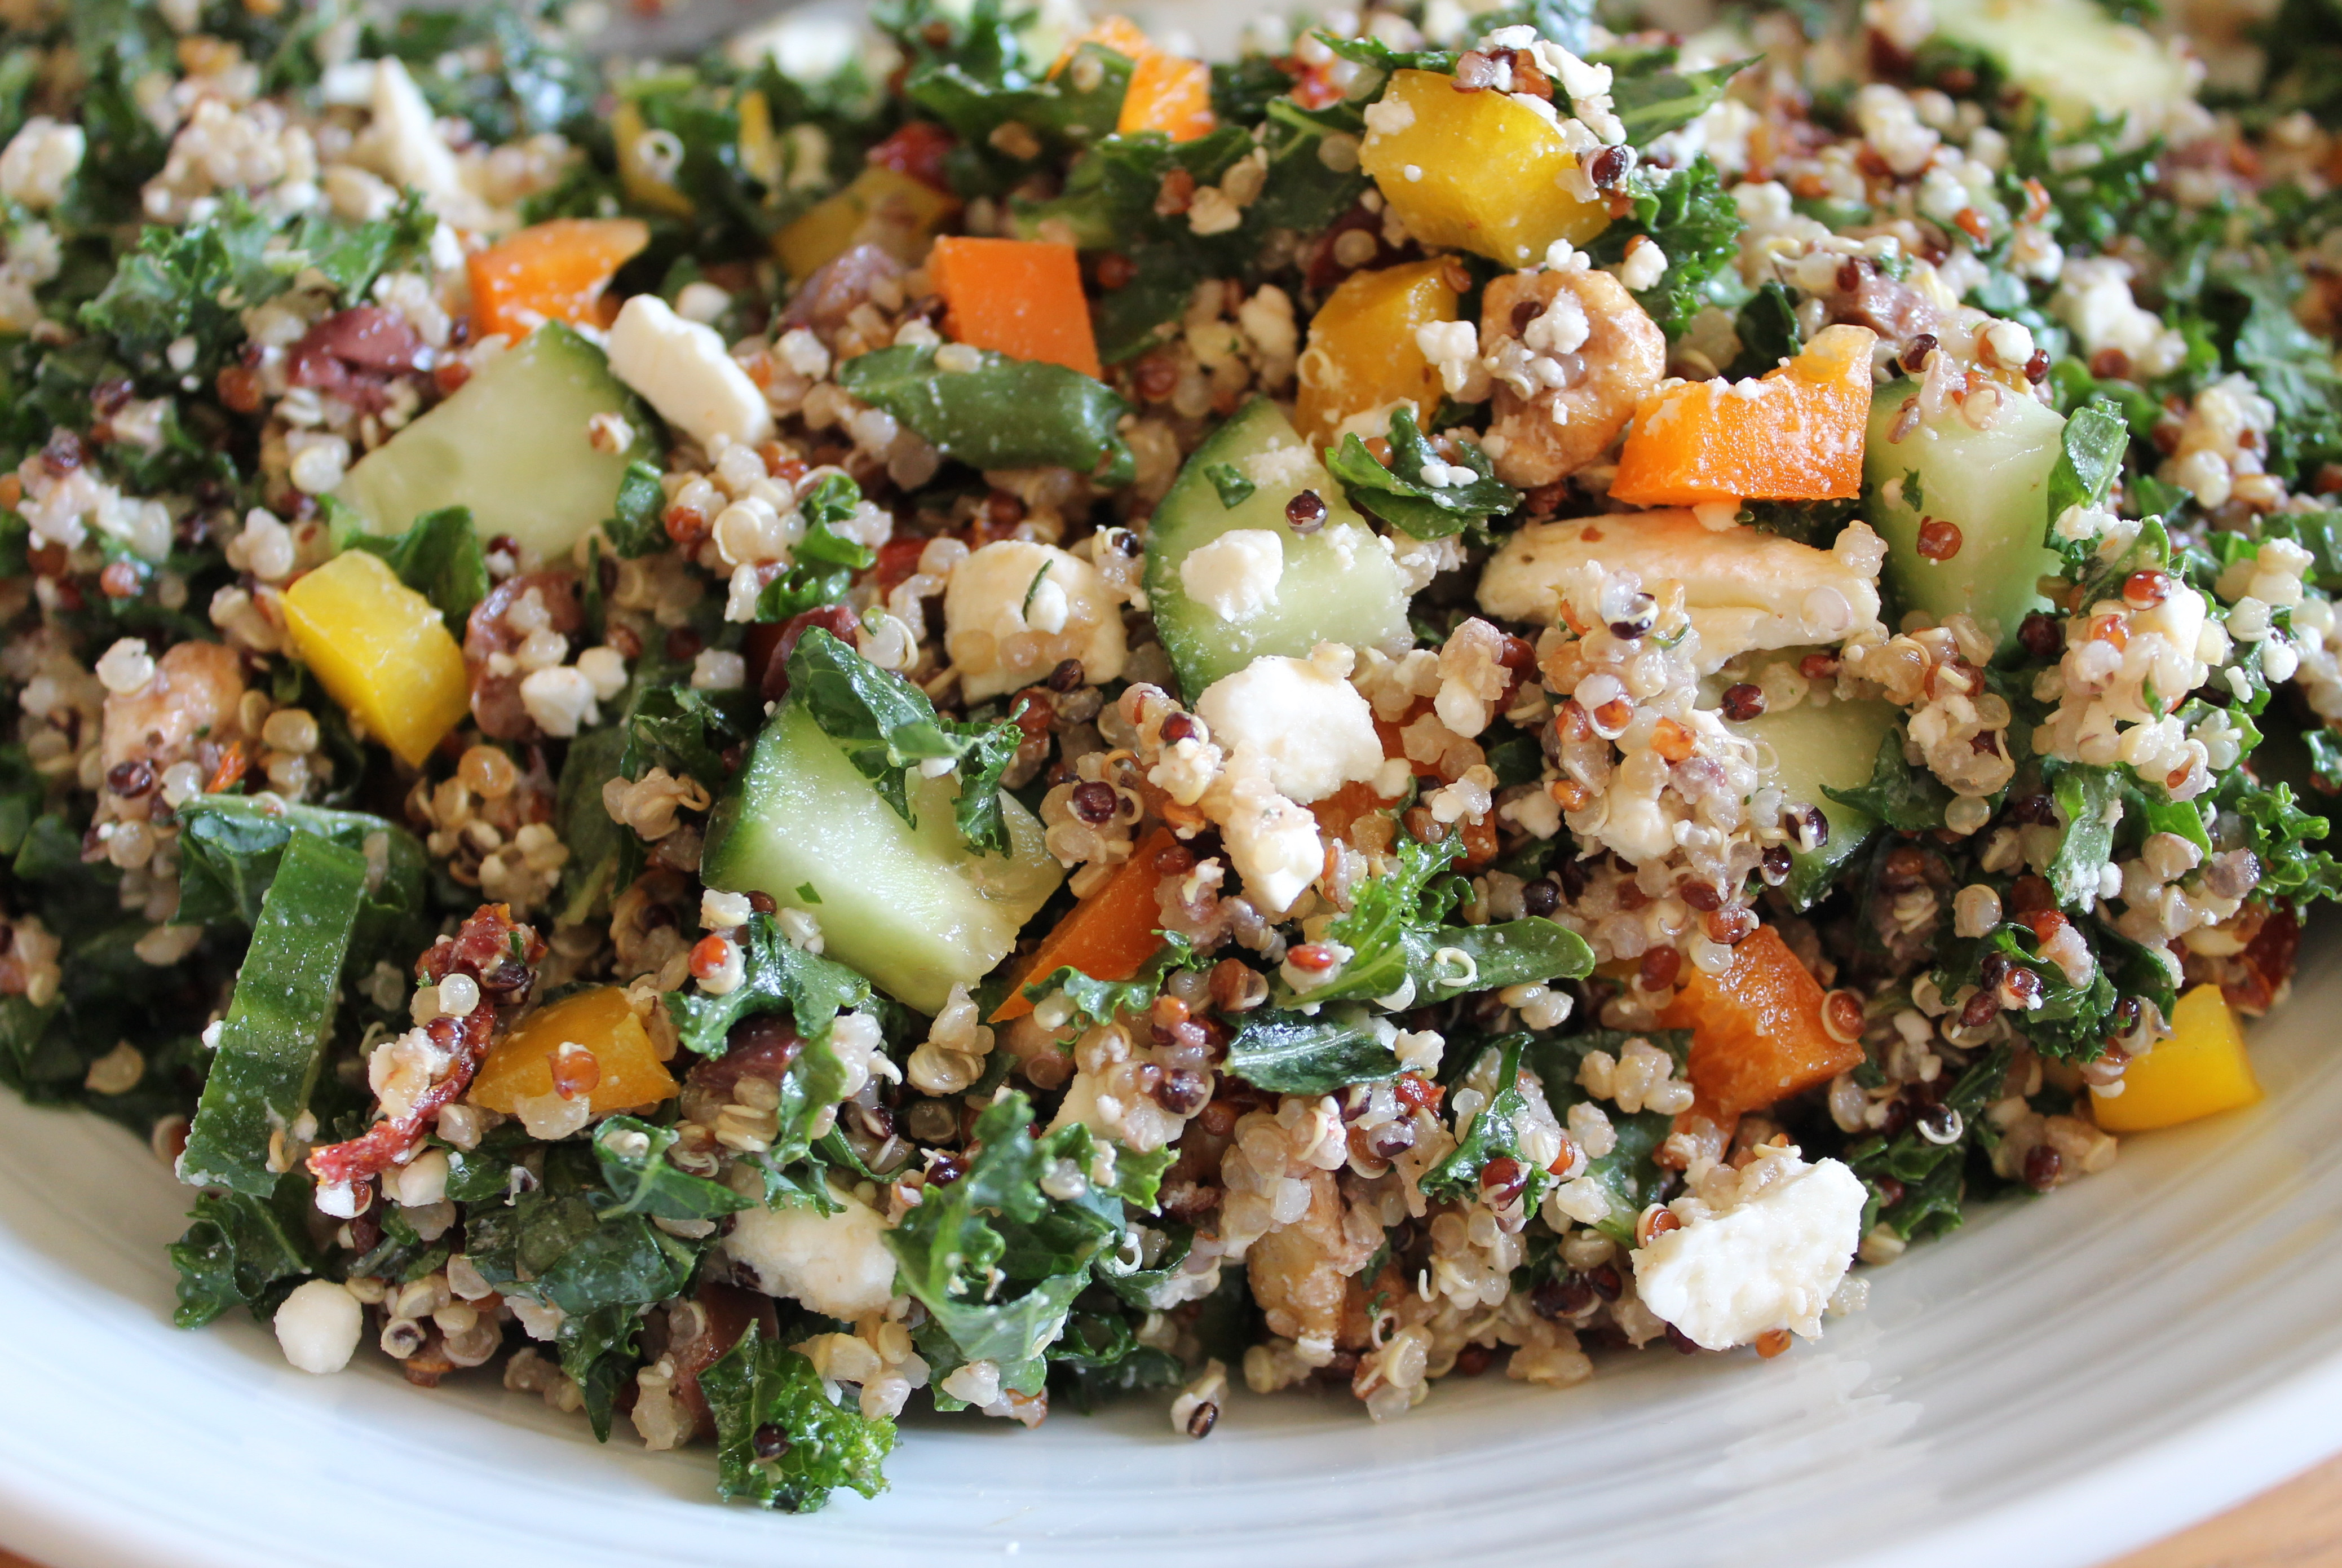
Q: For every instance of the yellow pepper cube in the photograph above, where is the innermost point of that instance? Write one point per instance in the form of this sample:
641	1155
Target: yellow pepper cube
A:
2201	1070
645	180
625	1072
1362	354
1476	171
881	206
381	650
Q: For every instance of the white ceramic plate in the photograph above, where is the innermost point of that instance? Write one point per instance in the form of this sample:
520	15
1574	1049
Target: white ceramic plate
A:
2059	1382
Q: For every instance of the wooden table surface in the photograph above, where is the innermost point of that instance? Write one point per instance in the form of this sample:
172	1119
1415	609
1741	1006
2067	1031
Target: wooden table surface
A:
2295	1525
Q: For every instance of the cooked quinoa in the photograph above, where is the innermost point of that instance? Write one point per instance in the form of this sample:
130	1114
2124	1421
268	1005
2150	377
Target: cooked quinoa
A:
980	713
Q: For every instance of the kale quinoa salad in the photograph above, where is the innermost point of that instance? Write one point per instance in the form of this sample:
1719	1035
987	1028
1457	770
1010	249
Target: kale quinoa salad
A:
994	714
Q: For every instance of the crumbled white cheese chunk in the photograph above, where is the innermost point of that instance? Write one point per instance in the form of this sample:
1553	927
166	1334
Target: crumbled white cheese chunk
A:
1298	721
1770	1262
682	369
1273	842
1235	575
40	160
837	1264
1015	608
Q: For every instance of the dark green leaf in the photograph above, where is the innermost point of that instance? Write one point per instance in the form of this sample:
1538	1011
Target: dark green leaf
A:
1292	1054
2089	800
1907	799
1652	102
633	1156
824	560
1691	217
636	526
1233	487
1104	1001
1004	413
1399	494
887	726
242	1247
762	1388
439	556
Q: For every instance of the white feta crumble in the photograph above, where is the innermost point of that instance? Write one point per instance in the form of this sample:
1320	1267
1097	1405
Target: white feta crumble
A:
1273	843
1768	1261
40	160
1643	266
559	699
682	369
1235	575
1009	596
318	1326
1299	721
835	1263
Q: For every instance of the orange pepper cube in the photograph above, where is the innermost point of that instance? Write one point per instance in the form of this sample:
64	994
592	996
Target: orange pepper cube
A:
553	270
626	1072
1794	434
1169	94
1022	298
1756	1029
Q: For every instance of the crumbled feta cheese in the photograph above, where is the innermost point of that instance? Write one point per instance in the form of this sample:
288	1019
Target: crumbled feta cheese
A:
606	668
1299	721
1015	608
835	1263
318	1326
1389	116
1770	1262
39	160
559	699
682	369
702	301
405	144
1273	842
1644	266
718	670
1235	575
2094	298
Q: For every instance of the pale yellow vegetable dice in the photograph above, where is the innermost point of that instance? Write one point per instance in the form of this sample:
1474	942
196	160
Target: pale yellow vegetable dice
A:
381	650
1475	170
2200	1070
1361	353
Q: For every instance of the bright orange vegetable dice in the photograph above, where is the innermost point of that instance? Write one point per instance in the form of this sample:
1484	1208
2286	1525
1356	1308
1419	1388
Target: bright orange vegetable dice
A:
1108	935
381	650
1167	93
1756	1029
2201	1070
553	270
625	1071
1362	354
1796	435
1022	298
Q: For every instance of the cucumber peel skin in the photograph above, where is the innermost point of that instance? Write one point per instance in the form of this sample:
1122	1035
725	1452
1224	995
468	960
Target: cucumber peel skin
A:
913	908
510	443
1817	747
271	1041
1992	484
1339	583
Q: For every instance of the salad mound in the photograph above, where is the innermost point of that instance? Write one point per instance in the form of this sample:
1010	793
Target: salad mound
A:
981	712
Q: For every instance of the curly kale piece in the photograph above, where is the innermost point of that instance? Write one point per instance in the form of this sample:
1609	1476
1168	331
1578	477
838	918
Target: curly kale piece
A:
781	1441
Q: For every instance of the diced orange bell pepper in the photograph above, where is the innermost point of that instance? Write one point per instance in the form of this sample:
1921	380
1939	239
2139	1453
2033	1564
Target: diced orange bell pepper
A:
553	270
1022	298
1167	93
627	1071
1756	1029
1108	935
2202	1069
1795	435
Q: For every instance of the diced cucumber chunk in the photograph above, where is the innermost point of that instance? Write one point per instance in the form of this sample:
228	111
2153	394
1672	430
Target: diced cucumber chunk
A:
2073	55
1992	484
1813	746
915	909
273	1039
1337	584
510	444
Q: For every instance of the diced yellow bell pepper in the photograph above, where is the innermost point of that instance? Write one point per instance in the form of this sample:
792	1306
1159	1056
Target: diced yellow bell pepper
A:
381	650
1476	171
2201	1070
1361	353
639	176
760	147
627	1073
882	206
